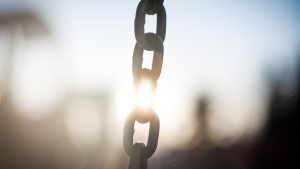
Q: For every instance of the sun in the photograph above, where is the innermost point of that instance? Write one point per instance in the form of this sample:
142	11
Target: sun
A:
127	97
145	95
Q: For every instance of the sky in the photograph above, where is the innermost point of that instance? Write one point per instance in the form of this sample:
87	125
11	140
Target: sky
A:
220	48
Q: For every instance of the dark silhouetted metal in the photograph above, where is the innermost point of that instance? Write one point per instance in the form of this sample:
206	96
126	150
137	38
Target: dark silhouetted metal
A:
140	20
157	57
153	133
154	6
136	159
138	152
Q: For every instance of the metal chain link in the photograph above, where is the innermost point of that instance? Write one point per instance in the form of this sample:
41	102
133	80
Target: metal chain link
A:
139	152
139	23
154	6
135	160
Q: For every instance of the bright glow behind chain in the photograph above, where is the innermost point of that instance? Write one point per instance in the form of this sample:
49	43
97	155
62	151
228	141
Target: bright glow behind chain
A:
144	95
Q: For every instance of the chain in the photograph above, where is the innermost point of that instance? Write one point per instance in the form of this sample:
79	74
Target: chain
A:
139	152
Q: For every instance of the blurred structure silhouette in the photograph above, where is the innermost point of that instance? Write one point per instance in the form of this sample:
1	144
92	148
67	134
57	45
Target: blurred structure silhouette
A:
203	153
47	143
31	26
201	137
279	145
22	141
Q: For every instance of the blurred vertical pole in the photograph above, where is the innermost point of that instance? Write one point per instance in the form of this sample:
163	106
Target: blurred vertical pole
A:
15	23
30	25
7	68
201	137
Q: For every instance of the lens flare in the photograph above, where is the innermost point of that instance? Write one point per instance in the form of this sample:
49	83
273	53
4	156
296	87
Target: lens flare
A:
145	95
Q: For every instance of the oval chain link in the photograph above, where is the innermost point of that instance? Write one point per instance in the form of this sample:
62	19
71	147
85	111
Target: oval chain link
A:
157	58
152	137
139	25
139	152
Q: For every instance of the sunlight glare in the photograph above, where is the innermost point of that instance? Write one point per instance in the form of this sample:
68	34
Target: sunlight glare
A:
145	95
123	99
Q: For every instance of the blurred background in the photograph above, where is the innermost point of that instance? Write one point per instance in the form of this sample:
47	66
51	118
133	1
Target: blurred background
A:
227	97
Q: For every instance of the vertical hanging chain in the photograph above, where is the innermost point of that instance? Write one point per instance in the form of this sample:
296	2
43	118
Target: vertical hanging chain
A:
139	152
